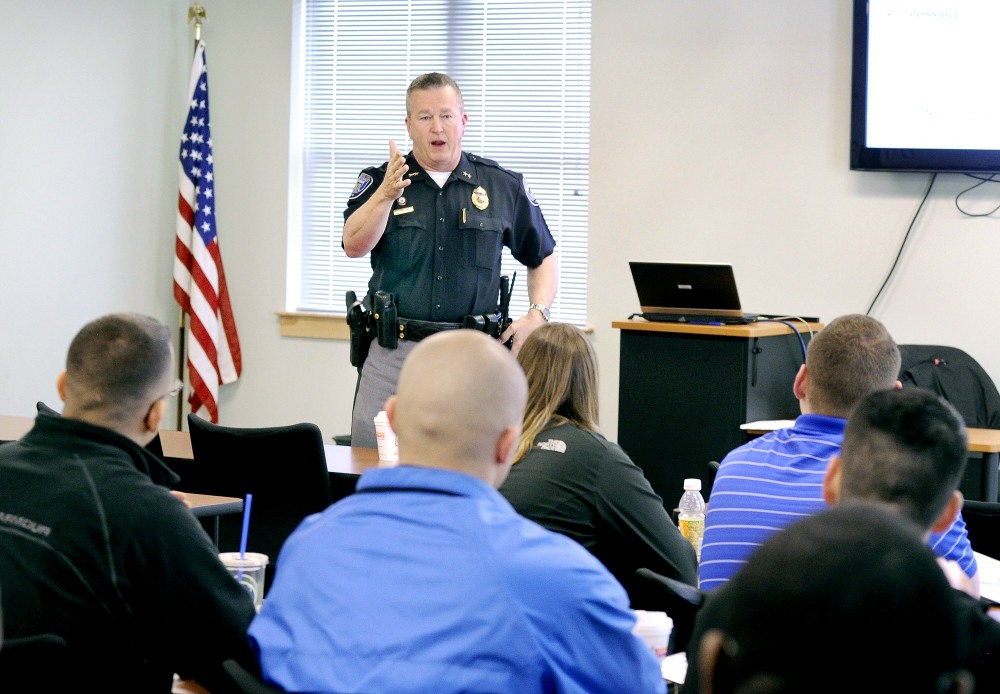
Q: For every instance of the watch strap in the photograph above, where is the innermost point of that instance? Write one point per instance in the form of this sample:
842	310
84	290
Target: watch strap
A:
541	308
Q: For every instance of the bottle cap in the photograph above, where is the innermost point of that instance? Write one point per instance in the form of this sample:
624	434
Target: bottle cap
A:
692	483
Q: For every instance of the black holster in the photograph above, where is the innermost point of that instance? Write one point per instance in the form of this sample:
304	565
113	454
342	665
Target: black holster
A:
362	328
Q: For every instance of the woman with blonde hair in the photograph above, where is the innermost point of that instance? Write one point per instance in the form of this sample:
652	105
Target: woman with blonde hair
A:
570	479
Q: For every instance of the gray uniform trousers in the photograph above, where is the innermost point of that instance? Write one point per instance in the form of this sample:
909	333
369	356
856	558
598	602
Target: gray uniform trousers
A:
378	382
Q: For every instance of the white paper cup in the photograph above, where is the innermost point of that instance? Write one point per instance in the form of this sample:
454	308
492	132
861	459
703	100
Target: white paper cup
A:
388	444
654	628
248	571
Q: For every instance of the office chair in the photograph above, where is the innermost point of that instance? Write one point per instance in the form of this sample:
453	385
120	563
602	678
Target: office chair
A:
958	378
284	467
982	522
38	663
246	682
679	600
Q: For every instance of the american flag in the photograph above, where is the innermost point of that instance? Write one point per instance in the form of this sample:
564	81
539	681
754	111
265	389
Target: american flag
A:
213	346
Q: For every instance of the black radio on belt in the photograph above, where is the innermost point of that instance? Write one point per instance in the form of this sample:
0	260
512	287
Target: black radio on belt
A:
385	319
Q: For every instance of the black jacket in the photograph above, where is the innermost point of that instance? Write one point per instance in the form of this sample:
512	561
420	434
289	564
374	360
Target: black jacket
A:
93	547
579	484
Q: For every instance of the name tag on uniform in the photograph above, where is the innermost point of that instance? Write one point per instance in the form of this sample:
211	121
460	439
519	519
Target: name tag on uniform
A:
405	210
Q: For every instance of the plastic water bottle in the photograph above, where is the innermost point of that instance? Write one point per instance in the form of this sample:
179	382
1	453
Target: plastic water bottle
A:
691	514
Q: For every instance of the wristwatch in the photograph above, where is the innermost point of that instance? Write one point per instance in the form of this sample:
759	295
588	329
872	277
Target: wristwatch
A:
541	308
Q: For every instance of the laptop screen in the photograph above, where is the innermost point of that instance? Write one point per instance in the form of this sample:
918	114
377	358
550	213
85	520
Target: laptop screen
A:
679	289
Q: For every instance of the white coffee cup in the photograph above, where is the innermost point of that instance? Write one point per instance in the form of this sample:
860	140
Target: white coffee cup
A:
388	443
654	628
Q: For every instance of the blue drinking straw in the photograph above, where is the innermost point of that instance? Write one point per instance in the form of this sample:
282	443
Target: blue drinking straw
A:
246	525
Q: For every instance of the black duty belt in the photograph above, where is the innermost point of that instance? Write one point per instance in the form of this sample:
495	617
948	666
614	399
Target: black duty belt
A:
416	330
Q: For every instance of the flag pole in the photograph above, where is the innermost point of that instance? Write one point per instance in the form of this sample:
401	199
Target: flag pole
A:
196	12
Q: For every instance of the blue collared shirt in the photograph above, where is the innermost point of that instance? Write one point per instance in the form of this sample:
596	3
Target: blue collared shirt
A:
428	580
775	480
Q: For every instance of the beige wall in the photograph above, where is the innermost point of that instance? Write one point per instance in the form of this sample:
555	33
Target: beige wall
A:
720	132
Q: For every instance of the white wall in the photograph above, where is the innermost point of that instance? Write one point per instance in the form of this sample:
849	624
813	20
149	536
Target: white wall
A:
720	132
89	126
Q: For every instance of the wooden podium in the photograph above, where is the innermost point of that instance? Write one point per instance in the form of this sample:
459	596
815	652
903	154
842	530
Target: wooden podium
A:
684	391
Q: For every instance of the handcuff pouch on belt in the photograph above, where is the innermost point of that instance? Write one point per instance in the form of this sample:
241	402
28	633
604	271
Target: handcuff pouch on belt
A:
386	325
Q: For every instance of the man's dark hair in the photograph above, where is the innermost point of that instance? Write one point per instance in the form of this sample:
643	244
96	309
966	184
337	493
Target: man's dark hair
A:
907	448
116	364
848	599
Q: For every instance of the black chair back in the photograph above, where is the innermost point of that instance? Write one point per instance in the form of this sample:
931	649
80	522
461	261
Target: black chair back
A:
982	521
958	378
679	600
284	467
711	470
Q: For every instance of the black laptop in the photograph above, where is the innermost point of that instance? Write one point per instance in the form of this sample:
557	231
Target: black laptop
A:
688	293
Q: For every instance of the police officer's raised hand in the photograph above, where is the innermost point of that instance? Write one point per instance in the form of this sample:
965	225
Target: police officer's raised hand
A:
364	228
395	174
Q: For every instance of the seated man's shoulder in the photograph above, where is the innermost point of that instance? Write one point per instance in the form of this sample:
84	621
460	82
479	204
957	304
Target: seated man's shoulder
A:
130	498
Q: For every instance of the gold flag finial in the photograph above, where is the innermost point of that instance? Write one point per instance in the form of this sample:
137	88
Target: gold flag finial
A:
197	13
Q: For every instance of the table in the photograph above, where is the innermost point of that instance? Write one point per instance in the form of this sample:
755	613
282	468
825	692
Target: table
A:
187	687
13	427
985	441
206	505
212	506
684	391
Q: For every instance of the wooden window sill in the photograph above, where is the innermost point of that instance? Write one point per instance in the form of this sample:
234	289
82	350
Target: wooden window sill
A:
323	326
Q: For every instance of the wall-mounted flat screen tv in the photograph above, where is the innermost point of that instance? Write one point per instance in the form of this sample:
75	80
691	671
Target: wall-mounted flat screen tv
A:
924	93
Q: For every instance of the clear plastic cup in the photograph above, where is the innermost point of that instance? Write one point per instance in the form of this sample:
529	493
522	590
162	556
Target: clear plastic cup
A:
248	571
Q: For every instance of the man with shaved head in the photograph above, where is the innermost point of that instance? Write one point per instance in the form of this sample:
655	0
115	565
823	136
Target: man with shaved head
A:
426	579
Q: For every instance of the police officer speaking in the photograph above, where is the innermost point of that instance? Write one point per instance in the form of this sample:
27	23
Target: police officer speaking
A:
435	222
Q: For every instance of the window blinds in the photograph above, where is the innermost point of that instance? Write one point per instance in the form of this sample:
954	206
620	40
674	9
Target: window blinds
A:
524	70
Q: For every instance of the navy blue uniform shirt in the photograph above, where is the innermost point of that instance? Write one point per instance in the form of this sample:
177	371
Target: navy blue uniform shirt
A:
440	253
